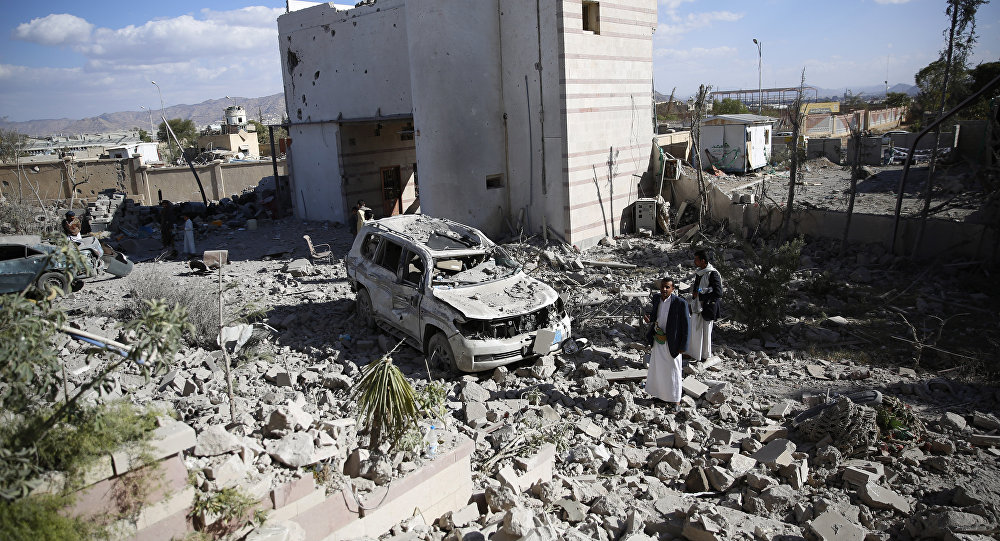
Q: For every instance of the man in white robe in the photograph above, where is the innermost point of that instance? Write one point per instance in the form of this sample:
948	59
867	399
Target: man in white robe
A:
668	335
705	304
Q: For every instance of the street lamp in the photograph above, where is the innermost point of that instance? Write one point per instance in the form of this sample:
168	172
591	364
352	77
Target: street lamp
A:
760	92
150	114
162	114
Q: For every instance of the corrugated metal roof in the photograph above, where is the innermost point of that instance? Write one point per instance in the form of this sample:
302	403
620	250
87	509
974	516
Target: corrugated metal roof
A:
744	119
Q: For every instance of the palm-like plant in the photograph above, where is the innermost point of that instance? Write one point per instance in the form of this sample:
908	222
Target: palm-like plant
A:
387	405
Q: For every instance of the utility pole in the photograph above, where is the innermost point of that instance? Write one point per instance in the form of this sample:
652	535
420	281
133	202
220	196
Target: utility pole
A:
760	91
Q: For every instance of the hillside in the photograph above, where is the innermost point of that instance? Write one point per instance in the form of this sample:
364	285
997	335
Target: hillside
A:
270	108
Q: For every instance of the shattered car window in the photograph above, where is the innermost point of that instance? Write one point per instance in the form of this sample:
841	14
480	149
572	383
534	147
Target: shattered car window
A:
494	264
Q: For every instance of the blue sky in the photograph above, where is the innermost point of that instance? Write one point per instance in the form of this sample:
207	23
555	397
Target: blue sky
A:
79	59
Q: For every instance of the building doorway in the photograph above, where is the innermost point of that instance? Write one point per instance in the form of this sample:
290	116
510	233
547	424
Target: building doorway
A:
392	203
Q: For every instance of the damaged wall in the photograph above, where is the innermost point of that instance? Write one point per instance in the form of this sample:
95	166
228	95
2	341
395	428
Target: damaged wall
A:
511	116
127	176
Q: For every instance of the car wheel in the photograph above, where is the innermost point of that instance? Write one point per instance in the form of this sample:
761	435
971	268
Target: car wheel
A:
50	280
365	312
439	352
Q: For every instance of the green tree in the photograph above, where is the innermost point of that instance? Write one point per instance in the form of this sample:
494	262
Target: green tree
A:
185	131
729	106
264	137
12	145
897	99
853	102
144	136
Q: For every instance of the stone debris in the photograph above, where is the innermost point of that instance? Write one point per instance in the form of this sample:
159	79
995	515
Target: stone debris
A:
570	446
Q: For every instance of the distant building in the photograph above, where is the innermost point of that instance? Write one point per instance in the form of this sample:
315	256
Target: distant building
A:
90	146
147	152
236	135
515	113
736	143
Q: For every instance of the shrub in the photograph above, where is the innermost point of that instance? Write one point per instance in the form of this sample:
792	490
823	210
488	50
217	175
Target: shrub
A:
387	404
20	219
757	288
199	299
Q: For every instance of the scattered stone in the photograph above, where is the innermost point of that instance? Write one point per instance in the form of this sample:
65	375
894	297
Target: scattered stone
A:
833	526
693	387
572	511
474	392
883	498
697	481
986	421
776	453
953	421
216	440
719	393
294	450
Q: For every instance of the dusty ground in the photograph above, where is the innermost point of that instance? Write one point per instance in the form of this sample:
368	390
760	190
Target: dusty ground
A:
613	477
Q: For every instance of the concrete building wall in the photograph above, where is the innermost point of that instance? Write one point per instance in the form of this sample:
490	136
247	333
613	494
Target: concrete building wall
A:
243	141
607	83
455	80
514	108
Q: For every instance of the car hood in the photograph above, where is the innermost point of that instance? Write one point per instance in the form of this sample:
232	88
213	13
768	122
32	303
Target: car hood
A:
513	296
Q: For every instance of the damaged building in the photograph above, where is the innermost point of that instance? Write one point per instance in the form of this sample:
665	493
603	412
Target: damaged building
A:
516	114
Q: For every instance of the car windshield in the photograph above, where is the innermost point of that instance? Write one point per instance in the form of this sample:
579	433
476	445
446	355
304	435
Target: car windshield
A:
489	266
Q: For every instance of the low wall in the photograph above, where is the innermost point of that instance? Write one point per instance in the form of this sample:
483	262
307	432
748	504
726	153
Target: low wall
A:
138	182
942	238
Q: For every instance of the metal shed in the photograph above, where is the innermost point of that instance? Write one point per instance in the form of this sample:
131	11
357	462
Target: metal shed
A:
736	143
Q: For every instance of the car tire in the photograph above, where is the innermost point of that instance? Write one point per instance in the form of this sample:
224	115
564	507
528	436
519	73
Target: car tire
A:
366	312
49	280
439	352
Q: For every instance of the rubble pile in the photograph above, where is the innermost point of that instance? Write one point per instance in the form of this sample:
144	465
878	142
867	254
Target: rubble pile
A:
772	439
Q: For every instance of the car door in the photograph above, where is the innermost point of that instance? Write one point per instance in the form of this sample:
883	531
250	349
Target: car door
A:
382	275
407	293
19	265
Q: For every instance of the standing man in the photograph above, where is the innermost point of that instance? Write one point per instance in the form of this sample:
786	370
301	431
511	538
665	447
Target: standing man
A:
167	224
361	215
189	248
668	336
706	300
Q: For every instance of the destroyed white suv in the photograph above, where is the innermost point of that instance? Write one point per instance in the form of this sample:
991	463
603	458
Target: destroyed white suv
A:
452	293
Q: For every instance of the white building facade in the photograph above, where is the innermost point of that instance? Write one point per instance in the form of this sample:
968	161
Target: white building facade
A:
536	114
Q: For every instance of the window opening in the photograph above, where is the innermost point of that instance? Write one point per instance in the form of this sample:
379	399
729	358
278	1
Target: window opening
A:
592	17
391	253
494	181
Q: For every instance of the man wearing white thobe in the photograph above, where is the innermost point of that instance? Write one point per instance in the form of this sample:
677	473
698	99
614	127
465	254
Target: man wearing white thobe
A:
705	297
668	335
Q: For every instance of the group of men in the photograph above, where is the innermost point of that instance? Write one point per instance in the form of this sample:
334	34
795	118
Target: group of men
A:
678	328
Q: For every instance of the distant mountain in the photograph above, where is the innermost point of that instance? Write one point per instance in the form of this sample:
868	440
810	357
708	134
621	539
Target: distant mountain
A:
270	108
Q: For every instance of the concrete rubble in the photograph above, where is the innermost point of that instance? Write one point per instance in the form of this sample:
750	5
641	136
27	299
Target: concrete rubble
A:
570	446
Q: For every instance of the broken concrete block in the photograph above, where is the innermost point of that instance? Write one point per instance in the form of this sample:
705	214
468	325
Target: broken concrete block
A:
693	387
816	371
474	392
294	450
299	268
719	478
700	527
797	473
285	530
590	428
832	526
572	511
779	410
290	417
770	433
508	477
719	393
860	476
883	498
356	462
740	464
983	440
776	453
986	421
726	436
953	421
697	481
683	436
465	516
228	472
216	440
475	411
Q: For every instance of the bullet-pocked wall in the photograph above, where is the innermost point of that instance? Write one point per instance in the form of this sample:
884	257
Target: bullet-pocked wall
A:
338	67
515	104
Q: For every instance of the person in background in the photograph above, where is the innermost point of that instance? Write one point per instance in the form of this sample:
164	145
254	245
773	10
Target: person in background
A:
189	248
362	215
167	224
85	228
668	336
706	300
71	225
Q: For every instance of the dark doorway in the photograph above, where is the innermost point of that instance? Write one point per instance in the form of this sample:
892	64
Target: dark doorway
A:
391	193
